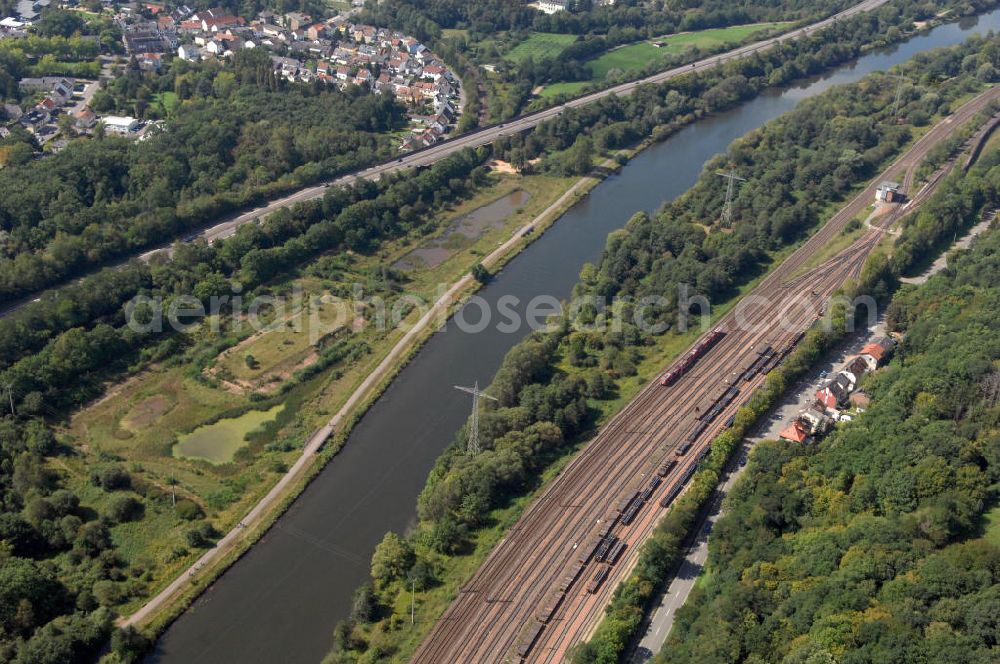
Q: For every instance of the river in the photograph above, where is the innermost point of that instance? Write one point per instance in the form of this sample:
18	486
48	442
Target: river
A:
279	603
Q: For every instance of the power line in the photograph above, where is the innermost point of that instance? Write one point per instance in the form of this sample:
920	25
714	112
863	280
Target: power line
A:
727	209
472	446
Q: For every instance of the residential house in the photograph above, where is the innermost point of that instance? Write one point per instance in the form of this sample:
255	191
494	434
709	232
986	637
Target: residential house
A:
855	369
877	353
296	20
84	118
61	92
834	393
363	77
797	432
816	419
860	400
180	13
150	61
47	104
35	119
188	52
316	31
434	72
223	22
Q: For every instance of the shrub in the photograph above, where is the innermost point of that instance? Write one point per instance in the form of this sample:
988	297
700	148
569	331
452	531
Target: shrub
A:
188	510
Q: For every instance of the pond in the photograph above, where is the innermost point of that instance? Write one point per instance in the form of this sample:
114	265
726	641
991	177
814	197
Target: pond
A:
464	230
219	441
279	603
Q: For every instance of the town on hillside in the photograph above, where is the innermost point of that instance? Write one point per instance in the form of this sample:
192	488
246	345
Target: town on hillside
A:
335	51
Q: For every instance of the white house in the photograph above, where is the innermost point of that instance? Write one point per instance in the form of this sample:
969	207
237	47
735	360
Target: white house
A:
188	52
551	6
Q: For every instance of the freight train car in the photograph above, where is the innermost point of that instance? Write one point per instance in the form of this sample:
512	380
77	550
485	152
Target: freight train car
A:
530	637
683	365
598	579
667	466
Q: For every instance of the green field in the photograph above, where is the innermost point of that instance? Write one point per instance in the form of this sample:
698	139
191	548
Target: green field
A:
564	88
167	100
540	46
991	525
634	57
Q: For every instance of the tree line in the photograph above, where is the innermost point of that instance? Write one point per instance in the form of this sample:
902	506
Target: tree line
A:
868	547
550	385
238	140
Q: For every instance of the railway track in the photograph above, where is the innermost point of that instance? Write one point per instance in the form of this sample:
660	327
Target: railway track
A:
518	606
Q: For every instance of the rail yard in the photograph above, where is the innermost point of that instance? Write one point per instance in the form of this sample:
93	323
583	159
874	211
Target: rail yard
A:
544	587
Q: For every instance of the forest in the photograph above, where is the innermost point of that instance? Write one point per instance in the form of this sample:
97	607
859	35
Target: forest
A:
550	387
58	353
489	16
872	546
241	137
61	577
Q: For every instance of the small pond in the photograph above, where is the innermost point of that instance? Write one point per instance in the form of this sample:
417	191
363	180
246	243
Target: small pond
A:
464	230
219	441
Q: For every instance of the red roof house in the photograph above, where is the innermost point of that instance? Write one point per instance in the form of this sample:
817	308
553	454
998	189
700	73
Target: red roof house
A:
797	432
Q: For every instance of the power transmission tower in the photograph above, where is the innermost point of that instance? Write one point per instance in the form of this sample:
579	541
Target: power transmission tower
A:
472	447
727	209
899	93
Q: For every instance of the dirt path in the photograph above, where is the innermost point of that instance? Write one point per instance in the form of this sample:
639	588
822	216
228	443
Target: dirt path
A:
255	522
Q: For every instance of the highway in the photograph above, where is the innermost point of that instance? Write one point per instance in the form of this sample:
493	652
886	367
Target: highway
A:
530	599
489	134
477	138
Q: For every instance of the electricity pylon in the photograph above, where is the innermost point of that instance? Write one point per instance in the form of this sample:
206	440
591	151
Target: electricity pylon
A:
472	446
727	209
899	92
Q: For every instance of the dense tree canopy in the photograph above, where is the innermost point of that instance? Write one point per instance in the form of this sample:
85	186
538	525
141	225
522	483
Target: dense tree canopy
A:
239	135
866	547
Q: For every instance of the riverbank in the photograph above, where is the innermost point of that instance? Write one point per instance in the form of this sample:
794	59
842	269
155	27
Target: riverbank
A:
331	529
156	614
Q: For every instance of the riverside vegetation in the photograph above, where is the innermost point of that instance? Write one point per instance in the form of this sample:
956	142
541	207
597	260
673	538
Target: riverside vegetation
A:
527	48
554	388
79	522
880	543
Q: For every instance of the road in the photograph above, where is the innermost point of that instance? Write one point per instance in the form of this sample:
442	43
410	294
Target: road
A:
488	135
687	574
684	580
529	595
485	136
941	262
256	517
